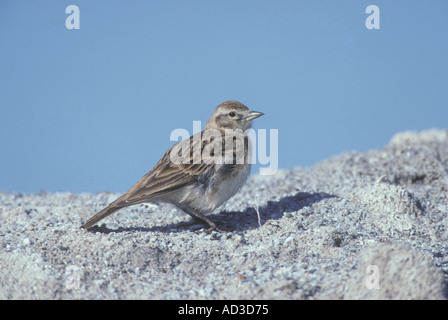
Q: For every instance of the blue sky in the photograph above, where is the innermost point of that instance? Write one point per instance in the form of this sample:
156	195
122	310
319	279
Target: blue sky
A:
92	109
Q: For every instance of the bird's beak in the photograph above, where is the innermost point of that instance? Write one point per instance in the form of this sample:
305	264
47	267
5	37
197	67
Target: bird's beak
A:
253	115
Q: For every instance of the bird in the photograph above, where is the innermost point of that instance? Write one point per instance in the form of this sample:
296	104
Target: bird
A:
200	173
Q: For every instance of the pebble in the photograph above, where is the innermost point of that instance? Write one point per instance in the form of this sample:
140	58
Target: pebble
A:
289	239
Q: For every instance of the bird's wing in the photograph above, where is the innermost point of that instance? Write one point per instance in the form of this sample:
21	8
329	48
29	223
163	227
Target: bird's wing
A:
171	173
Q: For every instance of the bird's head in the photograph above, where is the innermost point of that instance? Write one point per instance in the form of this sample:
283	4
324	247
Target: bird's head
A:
232	115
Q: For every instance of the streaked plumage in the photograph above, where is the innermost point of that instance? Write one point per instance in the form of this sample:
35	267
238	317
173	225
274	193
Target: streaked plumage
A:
199	184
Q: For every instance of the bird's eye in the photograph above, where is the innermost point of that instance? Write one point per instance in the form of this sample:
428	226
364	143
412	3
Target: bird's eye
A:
232	114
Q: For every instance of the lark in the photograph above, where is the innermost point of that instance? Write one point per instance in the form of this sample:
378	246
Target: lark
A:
200	173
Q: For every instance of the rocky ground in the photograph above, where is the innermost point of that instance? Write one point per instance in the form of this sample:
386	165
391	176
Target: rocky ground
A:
367	225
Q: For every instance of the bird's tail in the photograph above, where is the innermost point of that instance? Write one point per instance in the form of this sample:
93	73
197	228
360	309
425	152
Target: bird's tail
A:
101	215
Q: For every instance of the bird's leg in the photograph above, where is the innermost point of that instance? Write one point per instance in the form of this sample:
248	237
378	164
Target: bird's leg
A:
199	217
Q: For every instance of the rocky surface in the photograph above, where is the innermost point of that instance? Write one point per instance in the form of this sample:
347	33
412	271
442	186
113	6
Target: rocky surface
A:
367	225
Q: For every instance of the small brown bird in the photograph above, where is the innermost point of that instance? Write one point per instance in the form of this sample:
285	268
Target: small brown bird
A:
200	173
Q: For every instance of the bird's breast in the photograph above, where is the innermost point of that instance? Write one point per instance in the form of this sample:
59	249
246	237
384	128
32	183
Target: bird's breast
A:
226	185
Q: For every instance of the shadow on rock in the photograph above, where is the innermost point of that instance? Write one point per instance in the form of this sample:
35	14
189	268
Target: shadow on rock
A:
235	221
273	210
103	229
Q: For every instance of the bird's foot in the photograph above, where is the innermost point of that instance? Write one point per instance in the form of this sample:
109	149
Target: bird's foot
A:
210	229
